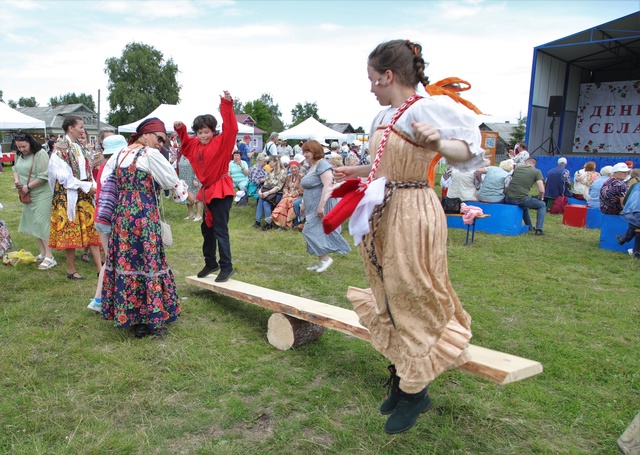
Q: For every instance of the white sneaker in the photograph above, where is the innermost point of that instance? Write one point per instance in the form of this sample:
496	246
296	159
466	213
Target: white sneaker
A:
313	267
94	306
190	217
198	218
324	265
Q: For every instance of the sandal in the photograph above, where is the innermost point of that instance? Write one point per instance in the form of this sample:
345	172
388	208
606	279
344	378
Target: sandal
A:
85	257
47	263
75	276
39	258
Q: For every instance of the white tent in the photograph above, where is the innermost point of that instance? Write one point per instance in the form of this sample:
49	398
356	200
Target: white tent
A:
312	129
10	119
169	113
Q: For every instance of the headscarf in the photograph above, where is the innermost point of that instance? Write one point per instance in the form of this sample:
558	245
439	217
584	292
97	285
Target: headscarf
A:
150	125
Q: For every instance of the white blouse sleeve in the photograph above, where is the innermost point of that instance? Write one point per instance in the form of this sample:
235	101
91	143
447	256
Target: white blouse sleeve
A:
164	174
453	120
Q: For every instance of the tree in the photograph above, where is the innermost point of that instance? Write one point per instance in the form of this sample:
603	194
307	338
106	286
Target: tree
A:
1	94
359	130
302	112
72	98
519	131
23	102
238	106
139	81
265	113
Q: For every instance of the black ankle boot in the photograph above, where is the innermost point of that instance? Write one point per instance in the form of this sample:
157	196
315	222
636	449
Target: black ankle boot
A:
407	411
393	392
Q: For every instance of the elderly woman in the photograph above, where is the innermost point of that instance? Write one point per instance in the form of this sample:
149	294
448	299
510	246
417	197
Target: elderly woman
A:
257	175
239	171
583	179
72	210
315	204
613	190
268	195
284	214
139	290
492	188
30	175
593	201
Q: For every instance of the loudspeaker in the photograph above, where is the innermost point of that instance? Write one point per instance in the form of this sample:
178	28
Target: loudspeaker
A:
555	106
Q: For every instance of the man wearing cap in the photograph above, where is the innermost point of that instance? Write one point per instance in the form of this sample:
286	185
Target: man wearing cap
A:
558	182
245	151
613	190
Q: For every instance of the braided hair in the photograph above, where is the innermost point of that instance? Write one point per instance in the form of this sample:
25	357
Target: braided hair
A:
404	58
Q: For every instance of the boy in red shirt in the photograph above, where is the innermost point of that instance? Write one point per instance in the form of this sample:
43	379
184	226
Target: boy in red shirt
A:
209	154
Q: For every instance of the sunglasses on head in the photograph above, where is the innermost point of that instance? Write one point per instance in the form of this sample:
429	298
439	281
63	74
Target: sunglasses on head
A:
20	137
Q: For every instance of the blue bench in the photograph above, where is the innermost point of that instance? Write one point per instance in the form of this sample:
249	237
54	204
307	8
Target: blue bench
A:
505	219
573	200
613	225
594	218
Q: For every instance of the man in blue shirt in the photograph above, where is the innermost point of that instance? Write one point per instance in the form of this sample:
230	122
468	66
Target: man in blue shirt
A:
245	151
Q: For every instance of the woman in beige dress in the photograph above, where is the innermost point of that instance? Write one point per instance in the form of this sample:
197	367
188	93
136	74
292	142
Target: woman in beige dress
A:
411	310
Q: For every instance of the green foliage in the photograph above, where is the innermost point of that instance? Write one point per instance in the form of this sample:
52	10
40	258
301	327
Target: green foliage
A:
23	102
72	98
139	81
73	384
360	130
519	131
238	107
1	94
266	113
302	112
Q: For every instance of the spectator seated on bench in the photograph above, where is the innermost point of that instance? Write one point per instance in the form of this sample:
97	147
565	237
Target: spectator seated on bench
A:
493	178
257	175
463	186
505	219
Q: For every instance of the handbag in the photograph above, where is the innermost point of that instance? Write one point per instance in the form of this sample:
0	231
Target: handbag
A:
270	198
26	198
451	205
165	227
557	207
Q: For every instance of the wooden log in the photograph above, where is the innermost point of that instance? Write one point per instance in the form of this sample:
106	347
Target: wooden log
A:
286	332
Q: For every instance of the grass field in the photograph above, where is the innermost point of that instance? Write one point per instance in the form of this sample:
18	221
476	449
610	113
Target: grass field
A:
70	383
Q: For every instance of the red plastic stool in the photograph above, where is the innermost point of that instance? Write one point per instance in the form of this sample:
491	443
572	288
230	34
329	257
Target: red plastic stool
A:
575	215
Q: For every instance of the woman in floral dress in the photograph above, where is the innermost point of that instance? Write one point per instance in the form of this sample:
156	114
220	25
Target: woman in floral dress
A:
139	290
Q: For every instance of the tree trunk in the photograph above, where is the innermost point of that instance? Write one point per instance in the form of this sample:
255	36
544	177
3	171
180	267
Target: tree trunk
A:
286	332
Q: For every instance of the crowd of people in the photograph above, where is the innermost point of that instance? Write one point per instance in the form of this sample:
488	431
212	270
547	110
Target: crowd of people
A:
75	202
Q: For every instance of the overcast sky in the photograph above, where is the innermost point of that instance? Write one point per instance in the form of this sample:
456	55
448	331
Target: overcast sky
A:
297	51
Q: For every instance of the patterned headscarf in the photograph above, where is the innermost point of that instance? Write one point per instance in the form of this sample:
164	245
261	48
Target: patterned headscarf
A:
150	125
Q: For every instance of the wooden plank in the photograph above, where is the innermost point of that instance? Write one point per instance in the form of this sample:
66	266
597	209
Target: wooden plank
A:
486	363
330	316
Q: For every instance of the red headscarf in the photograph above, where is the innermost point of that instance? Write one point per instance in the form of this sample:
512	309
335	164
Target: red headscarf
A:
294	163
150	125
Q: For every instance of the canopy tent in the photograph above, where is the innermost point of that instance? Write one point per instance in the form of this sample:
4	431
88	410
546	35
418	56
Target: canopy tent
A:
10	119
312	129
169	113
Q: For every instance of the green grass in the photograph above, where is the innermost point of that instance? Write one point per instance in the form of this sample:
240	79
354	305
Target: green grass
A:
71	383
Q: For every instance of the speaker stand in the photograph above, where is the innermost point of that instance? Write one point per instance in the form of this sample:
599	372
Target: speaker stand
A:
552	148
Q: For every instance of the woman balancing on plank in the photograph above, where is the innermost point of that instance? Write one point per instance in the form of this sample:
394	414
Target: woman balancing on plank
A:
411	310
